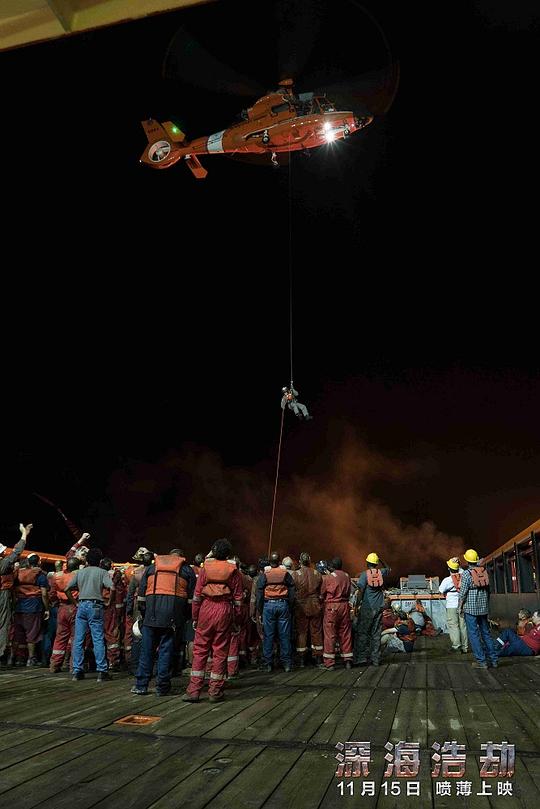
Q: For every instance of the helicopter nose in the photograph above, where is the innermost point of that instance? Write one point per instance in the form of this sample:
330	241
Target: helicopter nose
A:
361	121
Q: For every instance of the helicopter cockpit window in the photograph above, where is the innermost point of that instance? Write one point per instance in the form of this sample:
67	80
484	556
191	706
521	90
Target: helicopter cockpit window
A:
280	108
324	105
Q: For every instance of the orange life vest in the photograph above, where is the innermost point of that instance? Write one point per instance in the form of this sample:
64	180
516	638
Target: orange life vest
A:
275	583
166	581
60	583
218	572
480	577
6	581
374	577
456	578
25	582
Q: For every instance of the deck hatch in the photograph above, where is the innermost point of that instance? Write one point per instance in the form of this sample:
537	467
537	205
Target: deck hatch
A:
137	719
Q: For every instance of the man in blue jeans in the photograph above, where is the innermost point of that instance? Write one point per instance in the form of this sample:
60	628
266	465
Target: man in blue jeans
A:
90	582
275	599
474	604
166	587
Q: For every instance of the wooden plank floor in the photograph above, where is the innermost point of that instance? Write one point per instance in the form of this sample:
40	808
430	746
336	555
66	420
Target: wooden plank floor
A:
271	743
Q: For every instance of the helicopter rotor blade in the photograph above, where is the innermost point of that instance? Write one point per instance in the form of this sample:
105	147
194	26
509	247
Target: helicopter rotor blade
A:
187	61
299	24
371	92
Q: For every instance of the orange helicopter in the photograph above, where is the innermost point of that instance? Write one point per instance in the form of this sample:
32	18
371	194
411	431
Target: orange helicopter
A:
337	102
278	122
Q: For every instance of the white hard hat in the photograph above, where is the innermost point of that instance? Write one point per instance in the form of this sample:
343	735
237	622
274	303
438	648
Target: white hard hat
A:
137	628
3	548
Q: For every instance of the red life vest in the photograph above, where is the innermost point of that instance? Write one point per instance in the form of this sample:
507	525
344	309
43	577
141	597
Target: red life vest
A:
480	577
374	577
456	578
411	635
275	583
218	573
60	584
6	581
166	581
25	582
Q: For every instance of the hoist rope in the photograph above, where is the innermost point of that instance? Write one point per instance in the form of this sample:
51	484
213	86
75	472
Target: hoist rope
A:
276	483
274	500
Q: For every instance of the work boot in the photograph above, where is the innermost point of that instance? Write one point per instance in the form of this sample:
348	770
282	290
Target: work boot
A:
302	663
493	664
189	698
216	698
233	677
78	675
33	661
477	665
142	692
287	669
348	664
102	676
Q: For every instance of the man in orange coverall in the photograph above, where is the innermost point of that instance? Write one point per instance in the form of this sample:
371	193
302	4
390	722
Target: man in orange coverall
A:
65	623
335	591
215	610
238	645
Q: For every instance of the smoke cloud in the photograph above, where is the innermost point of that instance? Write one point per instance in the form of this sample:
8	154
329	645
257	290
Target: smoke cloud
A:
188	499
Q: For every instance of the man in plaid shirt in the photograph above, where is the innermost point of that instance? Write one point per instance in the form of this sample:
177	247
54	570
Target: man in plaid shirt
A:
474	603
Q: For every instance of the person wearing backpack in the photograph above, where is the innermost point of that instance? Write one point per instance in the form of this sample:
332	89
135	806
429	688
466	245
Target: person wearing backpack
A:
474	604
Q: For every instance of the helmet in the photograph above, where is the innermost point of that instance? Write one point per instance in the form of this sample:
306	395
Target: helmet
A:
137	628
288	563
471	555
3	548
138	555
322	566
372	558
453	563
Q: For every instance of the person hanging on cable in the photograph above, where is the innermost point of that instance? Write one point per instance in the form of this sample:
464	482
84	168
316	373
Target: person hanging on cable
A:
289	400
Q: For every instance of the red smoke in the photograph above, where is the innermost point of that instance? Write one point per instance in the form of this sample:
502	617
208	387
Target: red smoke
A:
189	499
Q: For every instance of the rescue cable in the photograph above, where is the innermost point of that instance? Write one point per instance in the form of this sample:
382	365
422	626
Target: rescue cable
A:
290	354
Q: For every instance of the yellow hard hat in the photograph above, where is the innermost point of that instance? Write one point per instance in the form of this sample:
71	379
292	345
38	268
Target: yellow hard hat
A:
453	563
471	555
372	558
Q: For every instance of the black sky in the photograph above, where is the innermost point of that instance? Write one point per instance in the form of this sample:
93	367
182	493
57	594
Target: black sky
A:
145	313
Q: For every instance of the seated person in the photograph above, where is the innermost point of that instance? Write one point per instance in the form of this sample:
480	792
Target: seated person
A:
400	637
424	626
510	643
522	623
389	615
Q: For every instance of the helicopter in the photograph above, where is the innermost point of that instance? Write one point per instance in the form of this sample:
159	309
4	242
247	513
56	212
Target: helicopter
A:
278	122
302	113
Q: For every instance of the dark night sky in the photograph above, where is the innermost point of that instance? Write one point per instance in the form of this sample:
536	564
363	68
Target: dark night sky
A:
145	315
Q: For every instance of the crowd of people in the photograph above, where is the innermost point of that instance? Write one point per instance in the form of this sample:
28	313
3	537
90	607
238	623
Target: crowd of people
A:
209	618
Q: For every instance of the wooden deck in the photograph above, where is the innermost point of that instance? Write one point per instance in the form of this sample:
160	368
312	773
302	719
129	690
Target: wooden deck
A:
271	743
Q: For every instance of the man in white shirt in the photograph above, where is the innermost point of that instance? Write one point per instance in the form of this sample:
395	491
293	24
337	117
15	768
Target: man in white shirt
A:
455	620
